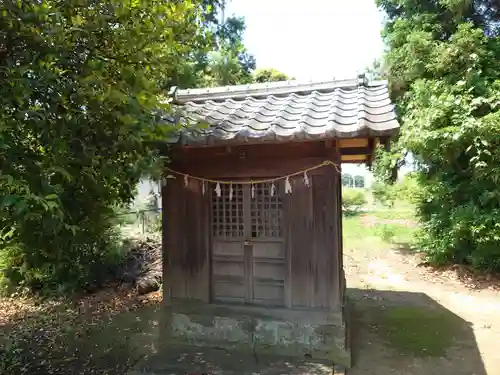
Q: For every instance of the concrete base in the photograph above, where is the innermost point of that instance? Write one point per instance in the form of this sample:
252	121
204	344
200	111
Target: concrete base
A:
303	334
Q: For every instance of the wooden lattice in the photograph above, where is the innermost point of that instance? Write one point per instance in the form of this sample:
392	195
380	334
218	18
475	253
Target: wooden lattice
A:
266	211
227	212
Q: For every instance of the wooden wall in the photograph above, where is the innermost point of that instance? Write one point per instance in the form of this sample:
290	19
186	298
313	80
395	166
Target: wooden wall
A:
267	159
186	241
313	237
312	221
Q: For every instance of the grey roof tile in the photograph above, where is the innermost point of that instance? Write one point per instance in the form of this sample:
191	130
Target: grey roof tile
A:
287	111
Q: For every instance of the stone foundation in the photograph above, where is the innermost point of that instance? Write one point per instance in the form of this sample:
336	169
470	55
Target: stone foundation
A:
263	331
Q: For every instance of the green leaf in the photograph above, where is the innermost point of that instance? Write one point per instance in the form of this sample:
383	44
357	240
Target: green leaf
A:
52	205
9	200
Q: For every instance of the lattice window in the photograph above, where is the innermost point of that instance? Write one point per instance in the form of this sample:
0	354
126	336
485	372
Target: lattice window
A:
266	211
227	214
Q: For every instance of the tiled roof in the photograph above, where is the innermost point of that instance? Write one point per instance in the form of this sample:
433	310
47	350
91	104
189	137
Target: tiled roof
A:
286	111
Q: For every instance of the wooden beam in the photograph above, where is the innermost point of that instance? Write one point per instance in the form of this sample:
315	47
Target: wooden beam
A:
355	151
235	167
353	142
353	158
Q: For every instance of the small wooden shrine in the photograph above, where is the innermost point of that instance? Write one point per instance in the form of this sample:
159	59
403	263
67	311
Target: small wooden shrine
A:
252	227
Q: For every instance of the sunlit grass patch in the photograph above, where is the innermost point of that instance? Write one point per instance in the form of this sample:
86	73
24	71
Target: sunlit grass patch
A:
395	226
418	331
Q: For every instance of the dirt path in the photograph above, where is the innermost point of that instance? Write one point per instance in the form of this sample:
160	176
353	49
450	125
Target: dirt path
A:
379	278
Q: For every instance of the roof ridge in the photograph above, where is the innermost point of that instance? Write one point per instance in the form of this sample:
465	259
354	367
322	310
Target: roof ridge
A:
264	89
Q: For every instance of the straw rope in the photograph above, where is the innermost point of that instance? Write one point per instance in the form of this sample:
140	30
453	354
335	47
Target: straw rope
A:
252	182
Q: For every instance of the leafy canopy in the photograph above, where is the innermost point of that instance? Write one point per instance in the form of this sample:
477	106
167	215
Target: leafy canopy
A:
444	71
270	75
81	84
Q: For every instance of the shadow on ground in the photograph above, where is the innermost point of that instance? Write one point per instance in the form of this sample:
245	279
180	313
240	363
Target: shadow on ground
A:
409	334
392	333
404	248
396	333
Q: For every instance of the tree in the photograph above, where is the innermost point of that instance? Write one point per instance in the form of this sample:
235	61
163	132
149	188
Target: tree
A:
359	181
223	61
444	73
270	75
376	70
347	180
230	63
82	84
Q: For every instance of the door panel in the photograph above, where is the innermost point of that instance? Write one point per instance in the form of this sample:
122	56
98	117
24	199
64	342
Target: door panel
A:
268	247
229	291
228	268
248	255
228	256
228	248
265	270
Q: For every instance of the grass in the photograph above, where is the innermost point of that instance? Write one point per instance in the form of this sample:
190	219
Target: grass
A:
431	337
414	327
417	330
381	226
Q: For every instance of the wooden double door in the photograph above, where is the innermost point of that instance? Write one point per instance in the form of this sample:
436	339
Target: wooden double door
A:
248	252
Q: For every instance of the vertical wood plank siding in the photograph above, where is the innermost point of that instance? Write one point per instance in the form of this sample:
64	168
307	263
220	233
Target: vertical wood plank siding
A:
312	240
299	213
186	240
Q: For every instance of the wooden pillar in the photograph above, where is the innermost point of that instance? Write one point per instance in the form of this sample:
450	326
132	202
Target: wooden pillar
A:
166	215
334	208
338	242
371	147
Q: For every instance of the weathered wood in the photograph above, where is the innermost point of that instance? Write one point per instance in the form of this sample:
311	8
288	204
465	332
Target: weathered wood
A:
371	146
186	241
235	168
299	211
354	142
356	151
337	222
248	247
279	250
353	158
325	276
260	160
248	254
256	152
166	219
298	268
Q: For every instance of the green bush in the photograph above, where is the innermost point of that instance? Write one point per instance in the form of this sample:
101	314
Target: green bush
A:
466	234
446	87
383	194
408	189
353	199
83	258
386	232
81	126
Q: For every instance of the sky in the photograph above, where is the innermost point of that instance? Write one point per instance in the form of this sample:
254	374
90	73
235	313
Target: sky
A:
314	39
